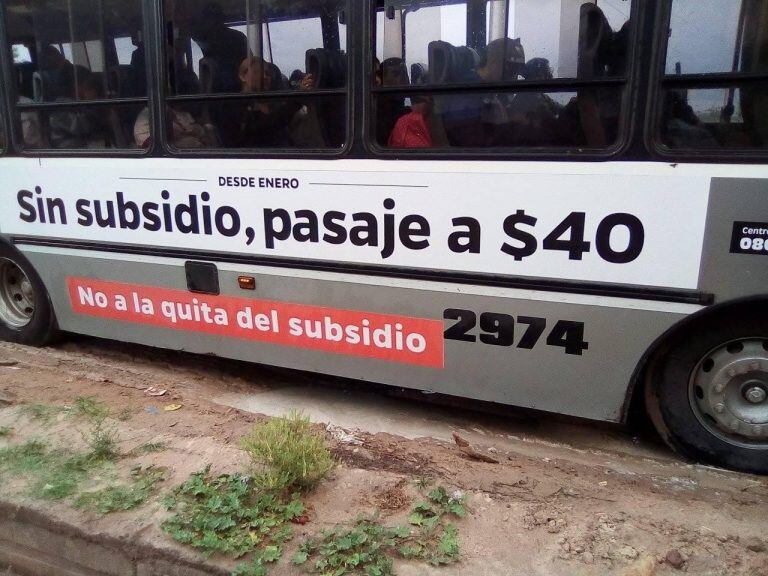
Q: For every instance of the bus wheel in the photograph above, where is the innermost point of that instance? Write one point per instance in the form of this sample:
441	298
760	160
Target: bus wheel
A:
26	316
708	394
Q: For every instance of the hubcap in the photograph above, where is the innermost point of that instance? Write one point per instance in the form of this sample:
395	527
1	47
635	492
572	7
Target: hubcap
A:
729	392
17	296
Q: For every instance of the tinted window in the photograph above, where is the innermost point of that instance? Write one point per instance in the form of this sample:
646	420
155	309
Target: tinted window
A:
510	44
241	47
725	37
67	54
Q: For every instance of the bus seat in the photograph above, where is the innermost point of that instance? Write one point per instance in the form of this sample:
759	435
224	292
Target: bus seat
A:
24	73
329	70
440	56
418	74
37	86
209	70
595	36
327	66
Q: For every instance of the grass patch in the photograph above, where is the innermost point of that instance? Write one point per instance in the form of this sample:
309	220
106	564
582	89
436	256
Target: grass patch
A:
151	447
228	515
5	431
295	454
52	474
124	497
368	547
40	412
90	407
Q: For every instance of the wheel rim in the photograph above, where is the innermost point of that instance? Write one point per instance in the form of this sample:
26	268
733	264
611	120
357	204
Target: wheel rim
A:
17	296
729	392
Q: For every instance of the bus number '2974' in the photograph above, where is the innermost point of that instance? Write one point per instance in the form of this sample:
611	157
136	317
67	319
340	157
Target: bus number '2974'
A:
499	330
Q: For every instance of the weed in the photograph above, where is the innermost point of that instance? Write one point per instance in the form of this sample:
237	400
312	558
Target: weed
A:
42	412
25	458
257	565
150	447
368	547
52	474
5	431
226	515
296	455
124	497
364	548
124	415
90	407
101	438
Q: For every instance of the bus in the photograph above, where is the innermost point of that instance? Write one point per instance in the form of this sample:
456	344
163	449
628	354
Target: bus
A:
560	205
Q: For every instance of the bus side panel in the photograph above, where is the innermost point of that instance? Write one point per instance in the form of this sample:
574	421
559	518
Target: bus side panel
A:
735	254
524	368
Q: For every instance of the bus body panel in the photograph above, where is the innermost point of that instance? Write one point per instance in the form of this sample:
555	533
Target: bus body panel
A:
735	253
591	385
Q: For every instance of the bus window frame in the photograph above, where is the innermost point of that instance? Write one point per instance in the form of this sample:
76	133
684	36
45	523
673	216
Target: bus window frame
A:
166	100
659	80
15	107
625	131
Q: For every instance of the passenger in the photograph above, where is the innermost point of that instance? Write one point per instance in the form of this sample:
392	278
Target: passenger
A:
186	132
224	45
56	73
81	127
31	132
262	124
377	79
390	108
412	130
533	114
504	60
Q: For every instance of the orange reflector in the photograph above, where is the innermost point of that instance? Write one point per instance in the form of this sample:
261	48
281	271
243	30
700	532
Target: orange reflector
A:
247	282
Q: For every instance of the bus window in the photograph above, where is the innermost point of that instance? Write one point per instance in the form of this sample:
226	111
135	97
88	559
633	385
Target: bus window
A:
75	57
516	48
289	56
730	39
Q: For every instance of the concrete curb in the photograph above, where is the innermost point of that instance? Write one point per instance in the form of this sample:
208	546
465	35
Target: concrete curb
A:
34	544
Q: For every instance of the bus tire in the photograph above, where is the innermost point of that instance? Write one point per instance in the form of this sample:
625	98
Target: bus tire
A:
26	313
707	393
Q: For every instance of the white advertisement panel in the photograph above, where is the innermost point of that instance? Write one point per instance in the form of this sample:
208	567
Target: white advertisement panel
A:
602	225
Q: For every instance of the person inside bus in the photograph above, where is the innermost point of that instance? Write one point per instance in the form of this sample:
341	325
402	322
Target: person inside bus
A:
261	123
389	108
79	127
532	115
413	130
56	73
225	45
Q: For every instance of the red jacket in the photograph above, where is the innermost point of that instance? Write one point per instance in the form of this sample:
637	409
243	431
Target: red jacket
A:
411	131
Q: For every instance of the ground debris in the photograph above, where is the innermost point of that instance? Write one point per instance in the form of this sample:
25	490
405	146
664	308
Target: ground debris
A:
344	436
473	453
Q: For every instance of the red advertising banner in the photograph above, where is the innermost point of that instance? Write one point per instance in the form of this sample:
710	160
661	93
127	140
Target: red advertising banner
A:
388	337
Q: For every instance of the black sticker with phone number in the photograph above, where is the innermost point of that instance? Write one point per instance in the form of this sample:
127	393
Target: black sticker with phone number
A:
750	238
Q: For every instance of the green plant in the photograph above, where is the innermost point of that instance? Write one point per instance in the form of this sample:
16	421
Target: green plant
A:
5	431
150	447
364	548
257	565
101	438
124	497
295	455
40	412
90	407
368	547
227	515
52	474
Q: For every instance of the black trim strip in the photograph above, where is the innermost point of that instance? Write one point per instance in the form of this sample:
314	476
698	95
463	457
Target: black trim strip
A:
545	285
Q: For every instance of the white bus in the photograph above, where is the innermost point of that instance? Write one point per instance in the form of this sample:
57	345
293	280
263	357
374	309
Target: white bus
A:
554	204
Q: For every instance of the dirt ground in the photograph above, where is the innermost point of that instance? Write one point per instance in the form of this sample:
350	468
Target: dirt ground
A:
564	498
